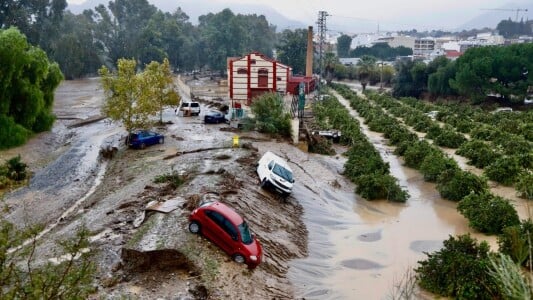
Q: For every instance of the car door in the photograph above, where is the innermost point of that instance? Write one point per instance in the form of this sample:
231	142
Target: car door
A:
215	230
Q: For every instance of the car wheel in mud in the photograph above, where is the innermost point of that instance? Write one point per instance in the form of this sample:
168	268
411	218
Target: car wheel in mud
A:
264	183
194	227
143	146
238	258
161	140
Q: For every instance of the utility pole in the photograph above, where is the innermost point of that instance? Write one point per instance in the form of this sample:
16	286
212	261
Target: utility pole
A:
322	36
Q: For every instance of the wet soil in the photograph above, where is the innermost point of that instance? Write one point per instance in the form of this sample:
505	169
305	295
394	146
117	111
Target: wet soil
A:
323	242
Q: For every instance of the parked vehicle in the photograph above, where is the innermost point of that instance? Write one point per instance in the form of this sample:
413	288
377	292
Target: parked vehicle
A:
142	138
190	108
274	171
214	117
228	230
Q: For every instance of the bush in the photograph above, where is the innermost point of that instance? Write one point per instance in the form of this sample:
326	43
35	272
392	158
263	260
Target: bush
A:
457	184
433	131
416	152
459	270
449	138
12	134
480	153
380	186
16	169
504	170
524	186
270	116
516	240
435	164
488	213
173	179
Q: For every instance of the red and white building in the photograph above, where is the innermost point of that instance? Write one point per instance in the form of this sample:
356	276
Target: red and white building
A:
255	74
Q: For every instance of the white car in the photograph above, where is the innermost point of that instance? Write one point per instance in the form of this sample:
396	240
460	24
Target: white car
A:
275	172
189	109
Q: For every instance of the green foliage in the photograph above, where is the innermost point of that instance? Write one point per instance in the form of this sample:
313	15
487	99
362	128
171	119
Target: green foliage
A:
509	28
23	278
436	163
382	51
270	115
516	241
416	153
292	48
343	45
411	79
173	179
159	83
481	154
380	186
448	137
459	270
16	169
27	87
456	184
504	170
510	278
488	213
524	186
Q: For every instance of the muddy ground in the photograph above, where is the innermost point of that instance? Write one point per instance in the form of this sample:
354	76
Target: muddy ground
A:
324	242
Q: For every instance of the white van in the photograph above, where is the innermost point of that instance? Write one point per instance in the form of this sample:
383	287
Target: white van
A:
274	171
189	108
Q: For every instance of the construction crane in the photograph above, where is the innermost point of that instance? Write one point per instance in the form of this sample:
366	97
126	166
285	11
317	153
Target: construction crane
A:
509	9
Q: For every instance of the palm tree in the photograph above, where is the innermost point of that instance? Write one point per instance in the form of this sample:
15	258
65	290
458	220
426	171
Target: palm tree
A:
330	60
365	67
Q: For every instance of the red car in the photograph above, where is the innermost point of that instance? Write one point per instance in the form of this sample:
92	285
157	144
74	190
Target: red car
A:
224	227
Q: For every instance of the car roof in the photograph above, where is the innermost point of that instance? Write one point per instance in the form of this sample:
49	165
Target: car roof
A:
227	211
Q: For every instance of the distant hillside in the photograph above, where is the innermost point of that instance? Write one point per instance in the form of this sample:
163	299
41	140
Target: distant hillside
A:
196	8
491	18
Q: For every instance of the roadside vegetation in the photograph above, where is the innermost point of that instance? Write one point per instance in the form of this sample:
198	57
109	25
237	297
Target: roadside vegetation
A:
13	173
269	116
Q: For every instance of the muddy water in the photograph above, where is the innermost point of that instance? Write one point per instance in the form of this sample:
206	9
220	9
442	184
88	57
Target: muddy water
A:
360	249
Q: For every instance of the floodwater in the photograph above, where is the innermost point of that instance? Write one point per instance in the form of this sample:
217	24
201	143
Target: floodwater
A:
357	249
360	249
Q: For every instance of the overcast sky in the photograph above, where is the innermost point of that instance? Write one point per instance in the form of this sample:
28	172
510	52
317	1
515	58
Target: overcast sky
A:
421	14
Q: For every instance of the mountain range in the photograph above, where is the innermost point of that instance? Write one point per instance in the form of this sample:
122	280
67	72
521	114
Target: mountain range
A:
489	17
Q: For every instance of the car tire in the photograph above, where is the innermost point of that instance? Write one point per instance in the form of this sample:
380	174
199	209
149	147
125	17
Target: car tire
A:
161	140
238	258
143	145
194	227
264	183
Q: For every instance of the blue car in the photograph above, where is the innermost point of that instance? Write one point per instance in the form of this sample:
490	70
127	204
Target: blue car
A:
142	138
214	117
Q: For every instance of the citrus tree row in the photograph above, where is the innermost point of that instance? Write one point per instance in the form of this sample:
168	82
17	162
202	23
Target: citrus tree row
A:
505	157
364	167
463	268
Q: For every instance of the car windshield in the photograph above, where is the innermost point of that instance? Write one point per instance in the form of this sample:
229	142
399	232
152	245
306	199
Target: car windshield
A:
246	236
282	172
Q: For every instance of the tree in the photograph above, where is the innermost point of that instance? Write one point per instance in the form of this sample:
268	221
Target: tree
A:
27	83
330	60
365	67
343	45
292	48
127	97
160	85
270	115
22	278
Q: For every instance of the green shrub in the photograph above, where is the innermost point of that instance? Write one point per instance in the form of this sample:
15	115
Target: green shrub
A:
435	164
504	170
484	132
173	179
516	240
479	152
11	133
16	169
416	152
270	115
449	138
43	122
459	270
488	213
380	186
524	186
457	184
433	131
513	144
